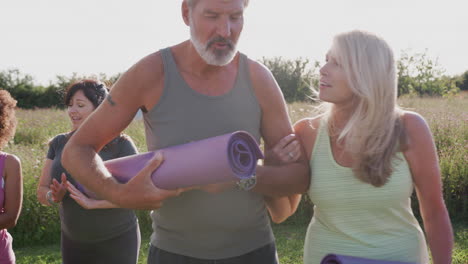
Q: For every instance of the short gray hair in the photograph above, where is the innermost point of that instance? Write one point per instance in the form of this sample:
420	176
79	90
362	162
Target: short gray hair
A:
191	3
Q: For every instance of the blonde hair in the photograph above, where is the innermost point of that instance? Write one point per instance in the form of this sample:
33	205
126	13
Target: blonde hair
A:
372	134
191	3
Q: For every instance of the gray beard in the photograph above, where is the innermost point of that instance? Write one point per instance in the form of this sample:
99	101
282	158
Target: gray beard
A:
208	56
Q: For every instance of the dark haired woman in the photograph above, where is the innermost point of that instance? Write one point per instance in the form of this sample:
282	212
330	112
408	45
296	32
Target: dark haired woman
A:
106	234
11	181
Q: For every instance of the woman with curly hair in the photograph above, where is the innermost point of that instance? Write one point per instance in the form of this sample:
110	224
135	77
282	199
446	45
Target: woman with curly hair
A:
106	234
11	182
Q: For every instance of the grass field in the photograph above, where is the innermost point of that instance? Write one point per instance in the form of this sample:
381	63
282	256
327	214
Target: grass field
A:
36	236
289	240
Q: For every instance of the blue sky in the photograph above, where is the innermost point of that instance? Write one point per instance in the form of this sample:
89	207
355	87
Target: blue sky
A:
45	38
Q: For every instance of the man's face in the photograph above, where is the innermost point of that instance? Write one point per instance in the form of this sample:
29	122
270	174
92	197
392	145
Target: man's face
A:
215	27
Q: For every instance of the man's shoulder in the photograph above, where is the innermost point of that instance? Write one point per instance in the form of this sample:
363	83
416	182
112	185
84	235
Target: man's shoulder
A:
150	64
257	69
263	82
260	75
147	73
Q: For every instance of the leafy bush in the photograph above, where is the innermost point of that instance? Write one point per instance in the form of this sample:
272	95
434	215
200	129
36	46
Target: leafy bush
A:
462	81
293	76
22	88
418	74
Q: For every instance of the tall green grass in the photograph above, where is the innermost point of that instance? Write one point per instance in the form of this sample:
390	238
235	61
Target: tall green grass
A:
448	121
289	243
38	225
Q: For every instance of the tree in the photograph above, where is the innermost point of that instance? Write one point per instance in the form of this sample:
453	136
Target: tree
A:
462	81
418	74
57	90
293	76
21	87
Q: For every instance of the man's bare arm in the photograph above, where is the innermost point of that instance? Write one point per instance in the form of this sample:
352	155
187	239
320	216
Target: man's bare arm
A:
276	180
80	157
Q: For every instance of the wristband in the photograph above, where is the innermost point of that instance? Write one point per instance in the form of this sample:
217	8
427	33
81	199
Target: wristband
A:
49	198
247	184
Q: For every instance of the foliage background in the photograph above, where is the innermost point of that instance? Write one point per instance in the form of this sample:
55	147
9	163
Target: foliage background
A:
41	117
418	75
39	224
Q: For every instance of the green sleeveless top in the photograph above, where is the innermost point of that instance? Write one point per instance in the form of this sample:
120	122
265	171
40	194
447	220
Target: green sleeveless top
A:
196	223
357	219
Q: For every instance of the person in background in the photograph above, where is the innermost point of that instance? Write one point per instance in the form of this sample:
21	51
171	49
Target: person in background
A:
92	230
366	156
11	181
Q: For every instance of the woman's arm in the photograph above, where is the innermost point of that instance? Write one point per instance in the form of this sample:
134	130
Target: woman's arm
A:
280	208
44	183
287	150
422	158
13	192
86	202
126	147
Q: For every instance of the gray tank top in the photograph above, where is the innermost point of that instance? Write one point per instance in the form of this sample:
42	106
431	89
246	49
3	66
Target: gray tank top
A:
196	223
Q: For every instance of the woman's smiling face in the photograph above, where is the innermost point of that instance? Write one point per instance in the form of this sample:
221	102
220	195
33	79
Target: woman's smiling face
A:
79	109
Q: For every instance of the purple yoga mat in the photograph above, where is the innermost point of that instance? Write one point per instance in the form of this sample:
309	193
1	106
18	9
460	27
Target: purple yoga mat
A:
224	158
341	259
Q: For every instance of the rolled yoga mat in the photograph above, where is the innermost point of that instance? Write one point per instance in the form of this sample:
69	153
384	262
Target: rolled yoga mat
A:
342	259
229	157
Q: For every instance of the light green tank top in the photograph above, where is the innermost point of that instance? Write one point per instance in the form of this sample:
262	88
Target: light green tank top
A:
357	219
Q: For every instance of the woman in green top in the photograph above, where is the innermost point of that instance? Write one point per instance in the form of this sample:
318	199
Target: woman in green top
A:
366	157
106	234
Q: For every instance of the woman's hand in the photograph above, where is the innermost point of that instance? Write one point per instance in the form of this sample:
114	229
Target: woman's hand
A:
59	189
287	150
80	198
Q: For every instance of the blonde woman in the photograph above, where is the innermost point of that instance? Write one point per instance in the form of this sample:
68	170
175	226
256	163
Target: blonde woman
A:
366	157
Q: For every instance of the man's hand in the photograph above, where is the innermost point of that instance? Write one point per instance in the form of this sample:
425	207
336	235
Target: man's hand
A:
140	192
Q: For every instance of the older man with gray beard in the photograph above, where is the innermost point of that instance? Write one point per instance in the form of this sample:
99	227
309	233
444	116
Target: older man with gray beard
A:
200	88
